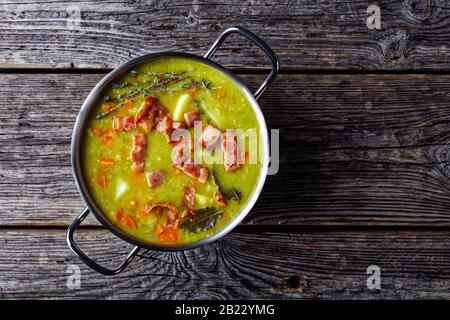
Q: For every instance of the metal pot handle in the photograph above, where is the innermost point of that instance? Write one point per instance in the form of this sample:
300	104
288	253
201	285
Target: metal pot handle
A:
89	262
257	41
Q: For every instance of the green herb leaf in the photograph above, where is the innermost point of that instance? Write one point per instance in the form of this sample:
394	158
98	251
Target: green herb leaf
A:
123	85
198	106
203	219
101	115
133	72
206	84
106	98
232	193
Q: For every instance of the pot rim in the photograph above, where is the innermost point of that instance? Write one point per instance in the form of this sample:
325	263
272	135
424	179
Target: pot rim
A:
80	123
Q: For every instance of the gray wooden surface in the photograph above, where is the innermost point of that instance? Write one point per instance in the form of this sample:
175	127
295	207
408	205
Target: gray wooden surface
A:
364	135
245	265
305	34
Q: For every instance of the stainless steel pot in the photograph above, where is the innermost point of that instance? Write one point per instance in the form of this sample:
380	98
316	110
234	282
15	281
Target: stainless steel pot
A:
81	123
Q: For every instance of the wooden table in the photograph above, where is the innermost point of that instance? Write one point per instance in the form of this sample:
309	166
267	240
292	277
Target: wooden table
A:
364	119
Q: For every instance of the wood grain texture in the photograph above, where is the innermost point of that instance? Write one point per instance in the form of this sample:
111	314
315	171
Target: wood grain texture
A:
305	34
354	149
276	265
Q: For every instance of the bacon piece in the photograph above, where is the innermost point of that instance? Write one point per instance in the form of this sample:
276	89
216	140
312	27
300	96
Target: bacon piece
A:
220	199
188	197
153	114
165	127
128	123
154	178
187	213
138	167
191	169
194	171
178	125
170	233
172	213
203	176
173	220
210	136
180	153
151	108
191	117
155	206
138	149
178	135
117	123
123	123
230	152
143	109
146	125
183	162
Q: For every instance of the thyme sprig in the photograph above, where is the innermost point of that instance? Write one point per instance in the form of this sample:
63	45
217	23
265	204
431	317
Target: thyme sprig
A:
204	84
105	113
159	82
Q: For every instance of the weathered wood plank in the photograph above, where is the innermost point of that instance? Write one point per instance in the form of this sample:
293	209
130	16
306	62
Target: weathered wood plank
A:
306	34
273	265
354	149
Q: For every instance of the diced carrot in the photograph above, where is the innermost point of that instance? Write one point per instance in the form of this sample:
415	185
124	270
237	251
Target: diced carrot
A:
159	228
109	132
106	162
104	135
107	106
106	141
118	216
102	180
169	234
131	223
97	132
107	136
